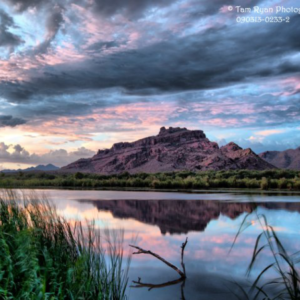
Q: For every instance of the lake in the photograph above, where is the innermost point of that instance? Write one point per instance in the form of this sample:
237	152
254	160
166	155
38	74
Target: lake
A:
161	221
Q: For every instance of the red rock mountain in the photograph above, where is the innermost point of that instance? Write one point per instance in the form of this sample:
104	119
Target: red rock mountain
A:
288	159
173	149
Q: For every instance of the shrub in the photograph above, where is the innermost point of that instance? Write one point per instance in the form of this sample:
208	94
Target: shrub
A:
296	184
264	184
282	183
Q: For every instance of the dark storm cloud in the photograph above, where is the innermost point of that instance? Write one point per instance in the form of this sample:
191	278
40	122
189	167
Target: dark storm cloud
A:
56	107
130	8
136	9
8	39
105	45
212	59
215	58
53	24
54	21
16	91
43	108
133	9
10	121
108	8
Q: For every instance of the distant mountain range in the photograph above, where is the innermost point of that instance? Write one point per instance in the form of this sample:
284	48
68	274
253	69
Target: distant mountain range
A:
173	149
176	149
48	167
288	159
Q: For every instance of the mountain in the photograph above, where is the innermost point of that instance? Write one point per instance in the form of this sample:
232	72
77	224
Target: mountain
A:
173	149
288	159
48	167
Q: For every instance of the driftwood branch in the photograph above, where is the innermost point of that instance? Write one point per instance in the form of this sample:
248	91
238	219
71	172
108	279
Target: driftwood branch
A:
182	254
181	273
151	286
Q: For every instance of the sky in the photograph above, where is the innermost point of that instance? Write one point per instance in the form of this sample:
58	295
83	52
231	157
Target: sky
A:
79	75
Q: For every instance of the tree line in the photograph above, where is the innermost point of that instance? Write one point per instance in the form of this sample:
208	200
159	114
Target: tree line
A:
241	179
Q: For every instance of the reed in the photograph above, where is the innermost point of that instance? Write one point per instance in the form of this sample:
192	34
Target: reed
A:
43	256
286	284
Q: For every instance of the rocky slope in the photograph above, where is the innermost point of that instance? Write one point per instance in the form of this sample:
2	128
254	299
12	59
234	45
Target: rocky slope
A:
288	159
172	149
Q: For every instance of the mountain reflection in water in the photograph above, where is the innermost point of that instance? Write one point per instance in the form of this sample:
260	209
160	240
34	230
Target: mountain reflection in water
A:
182	216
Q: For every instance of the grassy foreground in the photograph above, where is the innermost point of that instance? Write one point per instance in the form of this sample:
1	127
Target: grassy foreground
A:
269	179
43	257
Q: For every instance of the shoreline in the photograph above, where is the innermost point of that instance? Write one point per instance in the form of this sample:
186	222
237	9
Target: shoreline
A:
183	191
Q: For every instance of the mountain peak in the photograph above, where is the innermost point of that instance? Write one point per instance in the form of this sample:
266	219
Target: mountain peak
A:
231	147
164	131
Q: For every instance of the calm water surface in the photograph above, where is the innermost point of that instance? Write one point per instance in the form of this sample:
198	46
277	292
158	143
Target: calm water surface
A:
162	221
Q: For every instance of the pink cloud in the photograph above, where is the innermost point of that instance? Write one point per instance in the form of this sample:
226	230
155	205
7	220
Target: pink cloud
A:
270	132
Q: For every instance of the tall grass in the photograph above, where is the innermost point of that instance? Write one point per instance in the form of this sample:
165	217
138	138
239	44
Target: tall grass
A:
42	256
286	283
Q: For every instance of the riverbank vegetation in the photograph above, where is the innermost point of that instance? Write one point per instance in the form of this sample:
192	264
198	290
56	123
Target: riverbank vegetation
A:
265	180
42	256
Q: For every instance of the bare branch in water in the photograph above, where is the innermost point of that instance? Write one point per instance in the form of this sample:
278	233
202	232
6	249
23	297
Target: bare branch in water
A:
182	254
181	273
151	286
